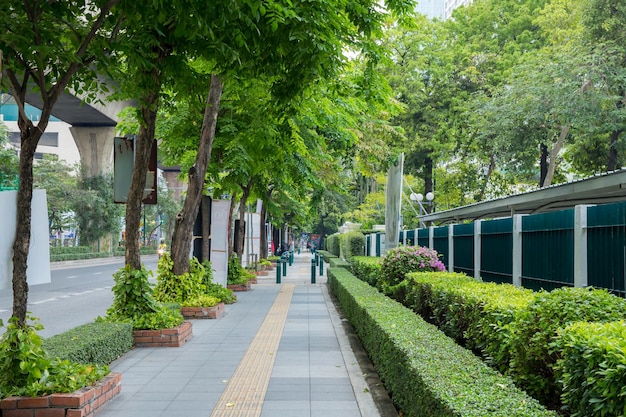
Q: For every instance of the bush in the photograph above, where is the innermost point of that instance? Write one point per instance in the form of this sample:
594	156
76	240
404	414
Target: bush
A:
425	372
331	244
326	255
592	368
402	260
237	274
27	370
338	263
352	244
533	353
178	288
477	314
133	302
201	301
367	268
99	343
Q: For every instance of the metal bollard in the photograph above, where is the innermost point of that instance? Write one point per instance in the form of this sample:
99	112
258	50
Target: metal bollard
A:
313	271
285	267
321	266
278	262
317	258
290	258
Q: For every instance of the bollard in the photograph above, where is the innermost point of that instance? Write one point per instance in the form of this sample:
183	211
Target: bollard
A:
278	271
317	258
313	271
290	258
321	266
284	267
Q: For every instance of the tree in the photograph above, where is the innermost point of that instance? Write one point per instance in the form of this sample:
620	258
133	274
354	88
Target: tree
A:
9	161
46	47
97	215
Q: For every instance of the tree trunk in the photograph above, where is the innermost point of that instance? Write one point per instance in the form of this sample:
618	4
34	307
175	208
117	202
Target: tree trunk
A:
554	153
143	147
263	252
612	161
241	236
492	167
21	244
181	239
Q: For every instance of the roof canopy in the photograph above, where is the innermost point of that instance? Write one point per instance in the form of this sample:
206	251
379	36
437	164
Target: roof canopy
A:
602	188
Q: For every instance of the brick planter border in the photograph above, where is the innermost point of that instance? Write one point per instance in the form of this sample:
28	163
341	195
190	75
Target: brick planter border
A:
214	312
239	287
174	337
82	403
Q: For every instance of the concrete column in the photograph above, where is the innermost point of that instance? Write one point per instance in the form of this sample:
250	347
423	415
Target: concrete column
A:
477	248
451	248
517	249
580	246
174	184
95	145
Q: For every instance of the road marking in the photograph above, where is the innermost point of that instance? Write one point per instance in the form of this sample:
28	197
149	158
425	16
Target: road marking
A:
3	311
97	273
43	301
72	277
62	297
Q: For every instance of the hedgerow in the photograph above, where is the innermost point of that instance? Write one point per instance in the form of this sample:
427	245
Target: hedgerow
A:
425	372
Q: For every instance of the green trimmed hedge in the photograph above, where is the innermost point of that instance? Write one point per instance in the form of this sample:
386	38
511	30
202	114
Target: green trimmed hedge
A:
352	244
367	268
331	244
425	372
339	263
326	255
593	368
99	343
476	314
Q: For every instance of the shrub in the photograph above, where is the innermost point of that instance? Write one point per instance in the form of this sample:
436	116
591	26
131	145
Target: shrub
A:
533	353
476	314
592	368
367	268
27	370
352	244
99	343
133	302
237	274
402	260
332	245
425	372
178	288
201	301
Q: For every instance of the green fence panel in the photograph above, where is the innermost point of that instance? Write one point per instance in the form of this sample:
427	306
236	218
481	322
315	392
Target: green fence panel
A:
423	238
496	258
464	248
410	237
548	250
606	247
440	243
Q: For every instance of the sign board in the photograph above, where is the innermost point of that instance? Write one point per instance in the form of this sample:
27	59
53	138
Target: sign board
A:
220	229
123	165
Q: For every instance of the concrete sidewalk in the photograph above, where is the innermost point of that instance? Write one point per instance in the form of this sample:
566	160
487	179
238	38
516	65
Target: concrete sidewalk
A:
280	351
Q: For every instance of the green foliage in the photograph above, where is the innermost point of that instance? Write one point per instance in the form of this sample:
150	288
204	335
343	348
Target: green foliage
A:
178	288
592	368
402	260
352	244
27	370
95	210
533	354
332	244
216	290
237	274
201	301
132	293
474	313
133	302
100	343
367	268
426	373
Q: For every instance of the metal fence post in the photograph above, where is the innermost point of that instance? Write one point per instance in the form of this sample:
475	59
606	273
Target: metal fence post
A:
313	271
321	266
278	262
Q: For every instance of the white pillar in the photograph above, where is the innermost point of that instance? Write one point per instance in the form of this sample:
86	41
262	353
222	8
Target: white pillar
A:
517	249
580	246
451	248
431	237
95	145
477	248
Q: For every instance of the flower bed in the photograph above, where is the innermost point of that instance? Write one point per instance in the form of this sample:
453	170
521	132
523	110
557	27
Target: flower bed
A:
214	312
174	337
81	403
239	287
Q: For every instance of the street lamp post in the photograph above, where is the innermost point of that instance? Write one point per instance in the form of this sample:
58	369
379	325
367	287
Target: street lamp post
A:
419	197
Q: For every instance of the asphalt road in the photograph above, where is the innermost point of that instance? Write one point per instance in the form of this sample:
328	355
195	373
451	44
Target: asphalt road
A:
79	292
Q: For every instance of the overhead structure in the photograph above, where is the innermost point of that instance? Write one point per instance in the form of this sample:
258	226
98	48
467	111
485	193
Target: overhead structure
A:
604	188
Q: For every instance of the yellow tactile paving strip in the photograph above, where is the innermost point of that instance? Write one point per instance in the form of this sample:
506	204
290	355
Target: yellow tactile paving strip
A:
246	389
